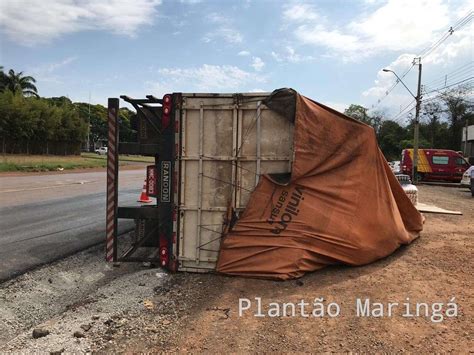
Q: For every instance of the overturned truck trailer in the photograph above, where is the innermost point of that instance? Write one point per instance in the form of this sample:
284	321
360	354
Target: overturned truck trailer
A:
262	185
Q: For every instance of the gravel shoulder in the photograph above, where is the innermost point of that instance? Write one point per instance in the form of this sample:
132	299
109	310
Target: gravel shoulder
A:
133	308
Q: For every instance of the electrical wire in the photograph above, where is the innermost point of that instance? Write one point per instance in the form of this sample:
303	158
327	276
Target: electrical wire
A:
412	105
460	71
429	50
449	86
406	109
458	25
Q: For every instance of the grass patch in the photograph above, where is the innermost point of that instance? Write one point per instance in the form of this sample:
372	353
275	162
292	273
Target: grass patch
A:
38	163
122	158
35	163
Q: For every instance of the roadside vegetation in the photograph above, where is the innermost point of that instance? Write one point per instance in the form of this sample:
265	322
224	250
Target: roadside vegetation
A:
34	163
38	163
441	123
30	124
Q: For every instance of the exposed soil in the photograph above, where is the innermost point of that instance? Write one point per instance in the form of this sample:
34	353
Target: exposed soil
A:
132	308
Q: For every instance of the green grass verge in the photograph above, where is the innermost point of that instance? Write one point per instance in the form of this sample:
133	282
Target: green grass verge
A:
132	158
38	163
52	165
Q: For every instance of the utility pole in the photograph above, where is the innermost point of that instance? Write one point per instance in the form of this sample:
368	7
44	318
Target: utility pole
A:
416	125
465	137
89	125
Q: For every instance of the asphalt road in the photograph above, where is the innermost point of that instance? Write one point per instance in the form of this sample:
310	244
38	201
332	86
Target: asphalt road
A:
46	217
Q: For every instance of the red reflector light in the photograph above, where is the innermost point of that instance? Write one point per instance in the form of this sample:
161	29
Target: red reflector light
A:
165	119
163	256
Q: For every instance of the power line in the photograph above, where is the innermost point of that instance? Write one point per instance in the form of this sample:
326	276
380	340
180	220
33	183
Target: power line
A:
459	71
426	52
448	86
458	25
398	117
447	80
412	104
393	86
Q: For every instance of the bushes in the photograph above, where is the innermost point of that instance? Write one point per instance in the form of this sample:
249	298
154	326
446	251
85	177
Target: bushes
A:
45	121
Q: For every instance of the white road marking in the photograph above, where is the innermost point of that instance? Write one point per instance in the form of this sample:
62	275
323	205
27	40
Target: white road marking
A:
52	186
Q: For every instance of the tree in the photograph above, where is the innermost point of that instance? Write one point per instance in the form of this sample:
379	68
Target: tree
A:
458	110
24	120
432	115
126	134
390	136
433	125
360	113
97	120
16	82
2	79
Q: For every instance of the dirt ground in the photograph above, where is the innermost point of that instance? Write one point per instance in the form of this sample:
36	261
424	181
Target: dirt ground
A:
133	308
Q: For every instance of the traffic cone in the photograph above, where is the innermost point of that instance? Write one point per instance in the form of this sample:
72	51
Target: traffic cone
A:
144	198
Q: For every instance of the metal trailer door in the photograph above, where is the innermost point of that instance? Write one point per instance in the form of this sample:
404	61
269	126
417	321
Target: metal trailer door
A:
226	143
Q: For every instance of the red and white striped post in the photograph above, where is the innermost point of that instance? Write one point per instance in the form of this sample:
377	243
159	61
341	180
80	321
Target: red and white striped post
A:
112	180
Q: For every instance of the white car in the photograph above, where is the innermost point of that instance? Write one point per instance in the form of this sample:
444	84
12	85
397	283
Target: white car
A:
101	151
466	177
395	166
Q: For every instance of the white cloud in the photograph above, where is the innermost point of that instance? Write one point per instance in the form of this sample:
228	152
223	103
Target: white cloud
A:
402	24
398	97
190	2
385	80
31	22
257	63
300	13
456	50
243	53
394	25
224	30
48	72
53	66
338	106
459	44
217	18
289	55
204	78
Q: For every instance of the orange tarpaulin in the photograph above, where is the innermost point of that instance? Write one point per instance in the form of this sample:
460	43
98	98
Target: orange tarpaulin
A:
342	203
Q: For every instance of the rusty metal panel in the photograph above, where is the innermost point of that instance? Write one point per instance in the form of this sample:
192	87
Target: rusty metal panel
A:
226	142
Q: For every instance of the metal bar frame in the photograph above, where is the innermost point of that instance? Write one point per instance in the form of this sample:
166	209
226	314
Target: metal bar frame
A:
112	180
136	213
259	133
182	183
199	216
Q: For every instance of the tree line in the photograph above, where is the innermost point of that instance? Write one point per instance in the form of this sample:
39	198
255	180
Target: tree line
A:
441	121
33	124
49	123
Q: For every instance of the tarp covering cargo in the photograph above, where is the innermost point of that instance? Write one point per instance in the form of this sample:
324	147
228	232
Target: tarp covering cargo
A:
341	203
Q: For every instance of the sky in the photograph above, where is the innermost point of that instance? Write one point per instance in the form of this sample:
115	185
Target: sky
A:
332	51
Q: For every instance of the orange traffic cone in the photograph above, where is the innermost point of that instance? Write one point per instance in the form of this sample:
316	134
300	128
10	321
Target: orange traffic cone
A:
144	198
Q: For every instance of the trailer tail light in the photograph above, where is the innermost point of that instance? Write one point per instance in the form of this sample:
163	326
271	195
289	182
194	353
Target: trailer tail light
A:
165	118
164	255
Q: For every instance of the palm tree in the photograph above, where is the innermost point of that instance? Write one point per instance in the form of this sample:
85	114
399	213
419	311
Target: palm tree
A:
17	82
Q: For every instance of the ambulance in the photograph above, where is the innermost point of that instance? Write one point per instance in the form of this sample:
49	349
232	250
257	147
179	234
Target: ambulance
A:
435	164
